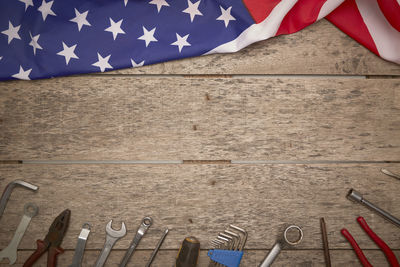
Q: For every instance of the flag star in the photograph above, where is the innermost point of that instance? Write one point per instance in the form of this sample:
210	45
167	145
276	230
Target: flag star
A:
34	43
45	8
134	64
102	62
159	4
125	2
22	74
80	19
68	52
148	36
181	41
27	3
12	32
193	10
1	57
226	15
115	28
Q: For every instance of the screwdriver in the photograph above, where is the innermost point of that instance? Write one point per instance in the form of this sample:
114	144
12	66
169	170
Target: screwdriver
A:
188	254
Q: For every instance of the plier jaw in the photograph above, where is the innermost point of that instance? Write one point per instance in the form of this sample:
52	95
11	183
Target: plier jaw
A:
52	241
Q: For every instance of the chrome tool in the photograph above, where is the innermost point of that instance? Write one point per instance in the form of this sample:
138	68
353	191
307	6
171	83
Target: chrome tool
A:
155	251
80	246
112	236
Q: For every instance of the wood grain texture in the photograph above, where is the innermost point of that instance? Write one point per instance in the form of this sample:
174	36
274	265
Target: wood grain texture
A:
201	200
318	49
175	118
251	258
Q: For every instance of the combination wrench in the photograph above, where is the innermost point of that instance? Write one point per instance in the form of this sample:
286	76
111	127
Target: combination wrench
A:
10	252
146	223
111	237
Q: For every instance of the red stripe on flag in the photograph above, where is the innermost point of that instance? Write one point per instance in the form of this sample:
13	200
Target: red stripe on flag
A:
259	10
304	13
391	10
348	19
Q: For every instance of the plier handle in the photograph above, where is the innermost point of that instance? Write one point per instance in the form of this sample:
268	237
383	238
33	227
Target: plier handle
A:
382	245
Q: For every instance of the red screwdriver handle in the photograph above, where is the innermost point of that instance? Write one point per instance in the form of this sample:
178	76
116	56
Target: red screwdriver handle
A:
40	250
364	261
385	248
52	256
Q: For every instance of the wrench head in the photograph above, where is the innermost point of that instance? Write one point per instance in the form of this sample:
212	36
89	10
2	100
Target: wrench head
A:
31	210
115	233
10	254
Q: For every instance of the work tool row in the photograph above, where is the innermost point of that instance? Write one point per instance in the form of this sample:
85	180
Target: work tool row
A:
227	247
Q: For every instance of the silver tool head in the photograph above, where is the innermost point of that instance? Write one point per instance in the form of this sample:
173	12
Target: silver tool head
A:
115	233
296	242
31	210
354	195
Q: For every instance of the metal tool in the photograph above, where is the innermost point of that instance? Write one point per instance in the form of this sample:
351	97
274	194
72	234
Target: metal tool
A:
391	174
112	236
146	223
276	249
227	248
357	197
52	241
382	245
188	253
154	253
10	252
325	243
9	188
80	246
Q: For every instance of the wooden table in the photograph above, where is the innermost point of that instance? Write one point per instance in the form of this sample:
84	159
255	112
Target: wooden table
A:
271	135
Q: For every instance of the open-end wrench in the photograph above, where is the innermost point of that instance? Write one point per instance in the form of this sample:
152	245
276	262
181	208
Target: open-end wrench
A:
111	237
9	188
146	223
80	246
10	252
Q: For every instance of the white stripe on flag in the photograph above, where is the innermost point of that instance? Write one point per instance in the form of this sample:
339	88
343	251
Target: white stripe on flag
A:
257	32
328	7
386	38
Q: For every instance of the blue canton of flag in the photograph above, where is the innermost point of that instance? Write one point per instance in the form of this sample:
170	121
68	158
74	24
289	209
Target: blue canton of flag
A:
42	38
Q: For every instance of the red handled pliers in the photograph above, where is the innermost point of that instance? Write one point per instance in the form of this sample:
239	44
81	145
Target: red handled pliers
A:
383	246
52	241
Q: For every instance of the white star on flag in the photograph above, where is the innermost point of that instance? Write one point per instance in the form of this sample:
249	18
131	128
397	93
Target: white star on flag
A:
193	10
226	15
22	74
181	41
68	52
80	19
12	32
159	4
27	3
34	42
45	8
1	57
134	64
125	2
115	28
148	36
102	62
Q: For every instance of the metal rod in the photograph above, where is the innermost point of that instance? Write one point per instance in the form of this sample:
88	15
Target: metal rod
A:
357	197
325	243
391	174
154	253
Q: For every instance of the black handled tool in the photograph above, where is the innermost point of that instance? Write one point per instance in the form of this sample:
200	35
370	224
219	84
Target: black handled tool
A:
188	253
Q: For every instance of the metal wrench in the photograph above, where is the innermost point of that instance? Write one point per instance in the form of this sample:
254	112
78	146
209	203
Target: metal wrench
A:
276	249
146	223
111	237
10	252
9	188
80	246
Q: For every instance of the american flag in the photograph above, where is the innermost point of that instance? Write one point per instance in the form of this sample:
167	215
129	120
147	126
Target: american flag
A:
48	38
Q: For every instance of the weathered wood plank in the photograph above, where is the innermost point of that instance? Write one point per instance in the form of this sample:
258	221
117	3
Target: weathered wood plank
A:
318	49
201	200
251	258
127	118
